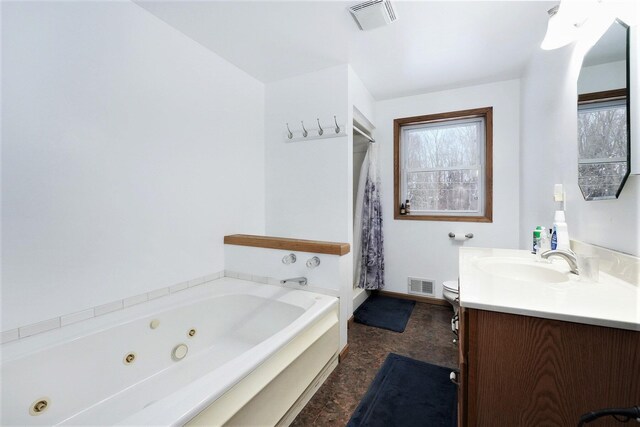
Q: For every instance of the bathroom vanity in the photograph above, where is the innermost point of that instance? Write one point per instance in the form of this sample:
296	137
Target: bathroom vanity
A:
537	346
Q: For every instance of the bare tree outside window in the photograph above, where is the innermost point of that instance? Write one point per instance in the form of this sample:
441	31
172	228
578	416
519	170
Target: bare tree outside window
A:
442	166
602	148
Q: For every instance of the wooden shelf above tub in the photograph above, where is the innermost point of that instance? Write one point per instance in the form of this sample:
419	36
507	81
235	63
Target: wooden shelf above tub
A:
315	246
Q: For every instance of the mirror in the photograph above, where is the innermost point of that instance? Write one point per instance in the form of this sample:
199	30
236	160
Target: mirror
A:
603	116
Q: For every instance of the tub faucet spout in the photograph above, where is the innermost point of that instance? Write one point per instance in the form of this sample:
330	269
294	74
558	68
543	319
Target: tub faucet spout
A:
299	280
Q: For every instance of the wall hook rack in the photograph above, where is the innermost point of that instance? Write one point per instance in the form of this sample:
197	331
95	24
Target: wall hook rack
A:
320	133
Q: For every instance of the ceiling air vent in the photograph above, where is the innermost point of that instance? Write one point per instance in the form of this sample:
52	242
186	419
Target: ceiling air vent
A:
373	14
421	286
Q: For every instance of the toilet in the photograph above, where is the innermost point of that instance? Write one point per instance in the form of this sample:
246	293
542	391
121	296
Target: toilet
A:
450	293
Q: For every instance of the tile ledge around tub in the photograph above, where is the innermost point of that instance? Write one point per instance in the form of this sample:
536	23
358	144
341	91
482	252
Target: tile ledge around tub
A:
102	309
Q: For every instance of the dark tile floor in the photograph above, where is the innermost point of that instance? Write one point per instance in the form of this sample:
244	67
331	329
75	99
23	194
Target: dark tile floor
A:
427	337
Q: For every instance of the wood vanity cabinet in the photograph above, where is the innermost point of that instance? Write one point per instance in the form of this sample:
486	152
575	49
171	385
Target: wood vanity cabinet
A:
527	371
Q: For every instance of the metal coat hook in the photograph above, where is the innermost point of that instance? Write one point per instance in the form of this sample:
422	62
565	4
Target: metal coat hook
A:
320	130
289	133
336	122
304	131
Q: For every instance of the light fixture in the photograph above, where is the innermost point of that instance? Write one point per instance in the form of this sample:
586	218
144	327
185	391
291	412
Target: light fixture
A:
560	30
595	27
573	20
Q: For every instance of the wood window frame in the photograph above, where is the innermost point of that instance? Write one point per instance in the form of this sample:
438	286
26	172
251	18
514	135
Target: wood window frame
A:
487	114
605	95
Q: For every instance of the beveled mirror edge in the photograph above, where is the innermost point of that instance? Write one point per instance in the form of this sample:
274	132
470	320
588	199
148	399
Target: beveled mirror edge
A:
628	65
628	78
629	115
629	111
634	76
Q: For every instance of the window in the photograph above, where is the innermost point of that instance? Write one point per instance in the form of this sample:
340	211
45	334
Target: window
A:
443	166
602	144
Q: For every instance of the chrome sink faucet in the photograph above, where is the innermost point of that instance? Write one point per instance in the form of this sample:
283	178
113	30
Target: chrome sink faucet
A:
299	280
567	255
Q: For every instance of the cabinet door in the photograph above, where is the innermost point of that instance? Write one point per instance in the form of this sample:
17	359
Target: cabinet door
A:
462	365
465	335
526	371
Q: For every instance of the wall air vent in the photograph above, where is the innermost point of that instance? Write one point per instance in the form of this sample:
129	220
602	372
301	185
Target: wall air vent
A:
421	286
373	14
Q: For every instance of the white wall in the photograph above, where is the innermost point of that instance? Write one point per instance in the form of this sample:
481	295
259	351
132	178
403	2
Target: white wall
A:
361	100
360	146
310	183
360	97
423	248
549	129
601	77
548	121
128	150
307	193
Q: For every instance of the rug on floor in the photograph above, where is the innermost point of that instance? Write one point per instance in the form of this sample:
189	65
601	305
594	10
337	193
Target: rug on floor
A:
384	312
407	392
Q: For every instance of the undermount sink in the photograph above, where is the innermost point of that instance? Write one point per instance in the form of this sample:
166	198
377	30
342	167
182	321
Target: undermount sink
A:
522	270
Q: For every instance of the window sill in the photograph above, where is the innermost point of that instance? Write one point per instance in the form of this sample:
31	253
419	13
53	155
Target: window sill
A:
452	218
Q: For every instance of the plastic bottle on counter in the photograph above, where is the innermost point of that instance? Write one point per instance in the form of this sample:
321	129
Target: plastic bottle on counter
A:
560	235
536	237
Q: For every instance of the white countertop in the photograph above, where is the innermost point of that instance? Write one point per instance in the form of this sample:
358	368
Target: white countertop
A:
609	302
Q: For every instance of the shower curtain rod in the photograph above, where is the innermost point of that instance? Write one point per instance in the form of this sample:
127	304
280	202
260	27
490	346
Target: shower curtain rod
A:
363	133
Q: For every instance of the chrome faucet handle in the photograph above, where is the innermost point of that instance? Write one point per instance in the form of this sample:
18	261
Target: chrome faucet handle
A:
313	262
289	259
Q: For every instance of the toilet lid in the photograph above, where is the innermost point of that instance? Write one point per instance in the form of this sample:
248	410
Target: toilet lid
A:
451	285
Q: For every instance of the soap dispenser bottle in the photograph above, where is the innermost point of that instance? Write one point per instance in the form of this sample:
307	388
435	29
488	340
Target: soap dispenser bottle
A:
560	236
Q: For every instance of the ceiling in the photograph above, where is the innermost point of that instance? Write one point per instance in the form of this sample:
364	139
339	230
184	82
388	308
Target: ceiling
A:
611	47
433	45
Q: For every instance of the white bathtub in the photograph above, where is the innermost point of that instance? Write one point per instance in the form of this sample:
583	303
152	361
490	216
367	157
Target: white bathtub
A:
80	370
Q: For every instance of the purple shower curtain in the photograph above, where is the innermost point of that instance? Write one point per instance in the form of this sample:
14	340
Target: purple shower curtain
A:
372	241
